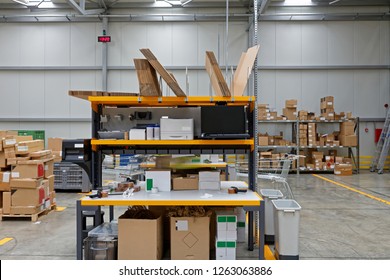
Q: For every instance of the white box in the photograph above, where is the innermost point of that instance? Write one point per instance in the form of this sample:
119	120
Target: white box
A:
213	185
209	176
161	179
225	250
137	134
230	235
241	236
176	129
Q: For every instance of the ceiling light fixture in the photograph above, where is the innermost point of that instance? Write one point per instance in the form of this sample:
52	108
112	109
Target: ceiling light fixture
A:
334	2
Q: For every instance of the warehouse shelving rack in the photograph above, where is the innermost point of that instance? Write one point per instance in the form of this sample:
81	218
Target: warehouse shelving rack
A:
199	146
354	155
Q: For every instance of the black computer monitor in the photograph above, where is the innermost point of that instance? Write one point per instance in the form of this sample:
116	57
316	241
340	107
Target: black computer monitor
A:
228	122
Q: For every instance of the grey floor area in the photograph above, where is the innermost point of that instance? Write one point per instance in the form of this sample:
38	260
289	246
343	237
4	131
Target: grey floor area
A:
336	222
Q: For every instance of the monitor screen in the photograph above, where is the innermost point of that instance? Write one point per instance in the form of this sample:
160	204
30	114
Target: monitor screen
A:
223	120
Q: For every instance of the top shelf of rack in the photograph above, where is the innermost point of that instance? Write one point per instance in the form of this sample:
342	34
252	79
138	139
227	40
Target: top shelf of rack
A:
167	101
305	121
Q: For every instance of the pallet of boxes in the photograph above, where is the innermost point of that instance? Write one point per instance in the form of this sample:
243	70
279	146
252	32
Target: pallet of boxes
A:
26	177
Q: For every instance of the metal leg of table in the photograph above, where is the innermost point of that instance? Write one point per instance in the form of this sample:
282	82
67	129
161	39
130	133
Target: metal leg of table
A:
261	230
79	231
111	213
250	231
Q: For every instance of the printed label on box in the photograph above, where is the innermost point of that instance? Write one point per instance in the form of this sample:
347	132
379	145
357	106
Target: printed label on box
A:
22	148
6	177
182	225
79	145
15	175
10	142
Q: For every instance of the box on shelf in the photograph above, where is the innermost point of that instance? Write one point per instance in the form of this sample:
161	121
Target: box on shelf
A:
137	134
140	239
343	169
348	140
327	102
160	179
291	103
347	128
190	238
263	140
290	114
185	183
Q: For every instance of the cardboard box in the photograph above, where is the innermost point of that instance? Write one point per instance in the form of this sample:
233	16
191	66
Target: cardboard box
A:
225	250
26	147
25	183
291	103
290	114
348	140
57	156
3	161
183	183
29	169
23	138
51	182
347	128
49	167
140	239
161	179
9	142
9	153
44	154
5	178
263	140
343	169
54	144
190	238
28	197
25	210
53	198
6	202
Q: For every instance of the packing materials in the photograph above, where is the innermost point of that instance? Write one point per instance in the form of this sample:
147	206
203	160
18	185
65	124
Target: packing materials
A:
185	183
190	238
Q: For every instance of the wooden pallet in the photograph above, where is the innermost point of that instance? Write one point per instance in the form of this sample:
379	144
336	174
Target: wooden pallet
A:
34	217
171	82
147	78
217	80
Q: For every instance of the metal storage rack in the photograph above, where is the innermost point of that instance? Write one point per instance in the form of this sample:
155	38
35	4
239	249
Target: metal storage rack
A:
70	176
353	152
239	146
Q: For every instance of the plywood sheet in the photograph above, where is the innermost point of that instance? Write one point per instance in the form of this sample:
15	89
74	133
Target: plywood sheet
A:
147	78
217	80
243	71
84	94
163	72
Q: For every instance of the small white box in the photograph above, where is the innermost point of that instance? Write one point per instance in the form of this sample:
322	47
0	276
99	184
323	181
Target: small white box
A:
213	185
227	235
209	176
137	134
161	179
225	250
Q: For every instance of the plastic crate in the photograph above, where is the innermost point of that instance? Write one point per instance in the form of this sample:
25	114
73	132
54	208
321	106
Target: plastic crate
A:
36	134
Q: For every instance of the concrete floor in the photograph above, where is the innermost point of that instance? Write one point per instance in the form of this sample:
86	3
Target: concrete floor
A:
336	222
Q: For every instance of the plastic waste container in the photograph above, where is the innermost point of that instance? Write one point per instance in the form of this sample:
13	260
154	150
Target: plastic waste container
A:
269	230
287	215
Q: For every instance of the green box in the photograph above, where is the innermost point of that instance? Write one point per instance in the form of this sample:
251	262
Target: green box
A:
36	134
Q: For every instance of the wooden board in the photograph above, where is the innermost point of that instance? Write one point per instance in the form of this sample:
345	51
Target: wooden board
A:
163	72
217	80
84	94
244	70
147	78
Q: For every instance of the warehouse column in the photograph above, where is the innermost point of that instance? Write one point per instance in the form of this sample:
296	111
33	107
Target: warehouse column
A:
104	55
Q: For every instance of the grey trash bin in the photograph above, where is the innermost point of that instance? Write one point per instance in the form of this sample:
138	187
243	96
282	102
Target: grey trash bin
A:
269	195
286	214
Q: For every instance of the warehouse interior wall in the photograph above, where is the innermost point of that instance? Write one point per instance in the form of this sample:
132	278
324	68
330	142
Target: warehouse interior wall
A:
303	60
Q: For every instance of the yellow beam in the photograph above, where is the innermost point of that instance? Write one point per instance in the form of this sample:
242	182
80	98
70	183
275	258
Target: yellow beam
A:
247	142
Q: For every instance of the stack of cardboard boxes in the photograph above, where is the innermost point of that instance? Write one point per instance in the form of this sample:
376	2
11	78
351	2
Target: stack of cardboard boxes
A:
26	176
311	134
347	135
327	107
303	134
290	110
273	140
265	114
